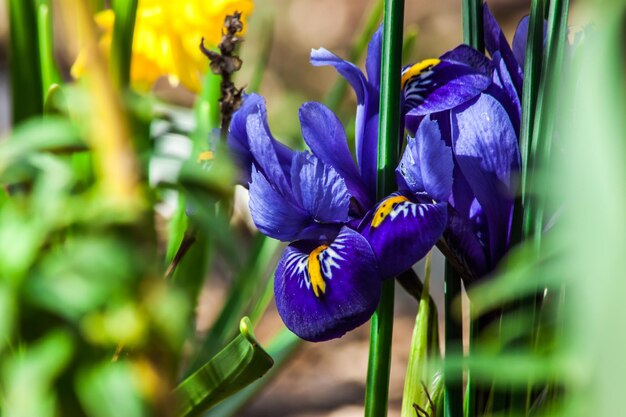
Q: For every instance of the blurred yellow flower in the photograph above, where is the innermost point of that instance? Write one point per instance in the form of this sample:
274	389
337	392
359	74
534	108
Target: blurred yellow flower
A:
166	39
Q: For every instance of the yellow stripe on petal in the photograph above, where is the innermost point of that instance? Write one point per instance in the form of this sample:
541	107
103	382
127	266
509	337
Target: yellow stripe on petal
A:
385	209
315	271
416	69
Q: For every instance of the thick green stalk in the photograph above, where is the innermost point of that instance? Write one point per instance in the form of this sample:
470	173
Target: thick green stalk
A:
473	35
26	96
473	24
122	44
377	389
453	377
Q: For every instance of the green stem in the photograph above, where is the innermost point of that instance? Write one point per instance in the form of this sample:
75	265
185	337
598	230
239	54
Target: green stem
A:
473	24
24	61
49	71
453	377
122	44
473	35
377	389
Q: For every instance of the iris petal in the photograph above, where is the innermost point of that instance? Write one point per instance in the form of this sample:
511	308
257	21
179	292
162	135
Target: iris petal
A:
495	41
348	296
323	133
486	150
438	85
426	166
519	41
274	214
239	142
319	189
402	231
366	123
372	62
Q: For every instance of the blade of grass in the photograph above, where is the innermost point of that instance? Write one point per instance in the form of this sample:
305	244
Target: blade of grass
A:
532	77
379	363
556	35
26	94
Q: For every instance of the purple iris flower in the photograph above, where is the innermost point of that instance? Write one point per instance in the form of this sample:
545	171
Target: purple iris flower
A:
343	244
473	144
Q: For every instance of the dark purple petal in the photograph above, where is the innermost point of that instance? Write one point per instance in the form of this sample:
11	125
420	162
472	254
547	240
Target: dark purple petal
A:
426	166
486	150
401	231
442	86
469	56
319	189
372	62
323	133
495	41
274	214
339	293
462	240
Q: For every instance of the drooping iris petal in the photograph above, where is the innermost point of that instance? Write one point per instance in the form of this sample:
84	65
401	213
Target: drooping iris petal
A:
426	166
265	155
319	189
323	133
366	123
486	150
402	231
239	142
274	214
495	41
323	291
436	85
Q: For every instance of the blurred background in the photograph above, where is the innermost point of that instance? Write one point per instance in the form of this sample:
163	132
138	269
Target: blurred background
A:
324	379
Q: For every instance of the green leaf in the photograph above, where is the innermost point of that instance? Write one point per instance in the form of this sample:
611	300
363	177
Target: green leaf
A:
281	349
236	366
418	373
